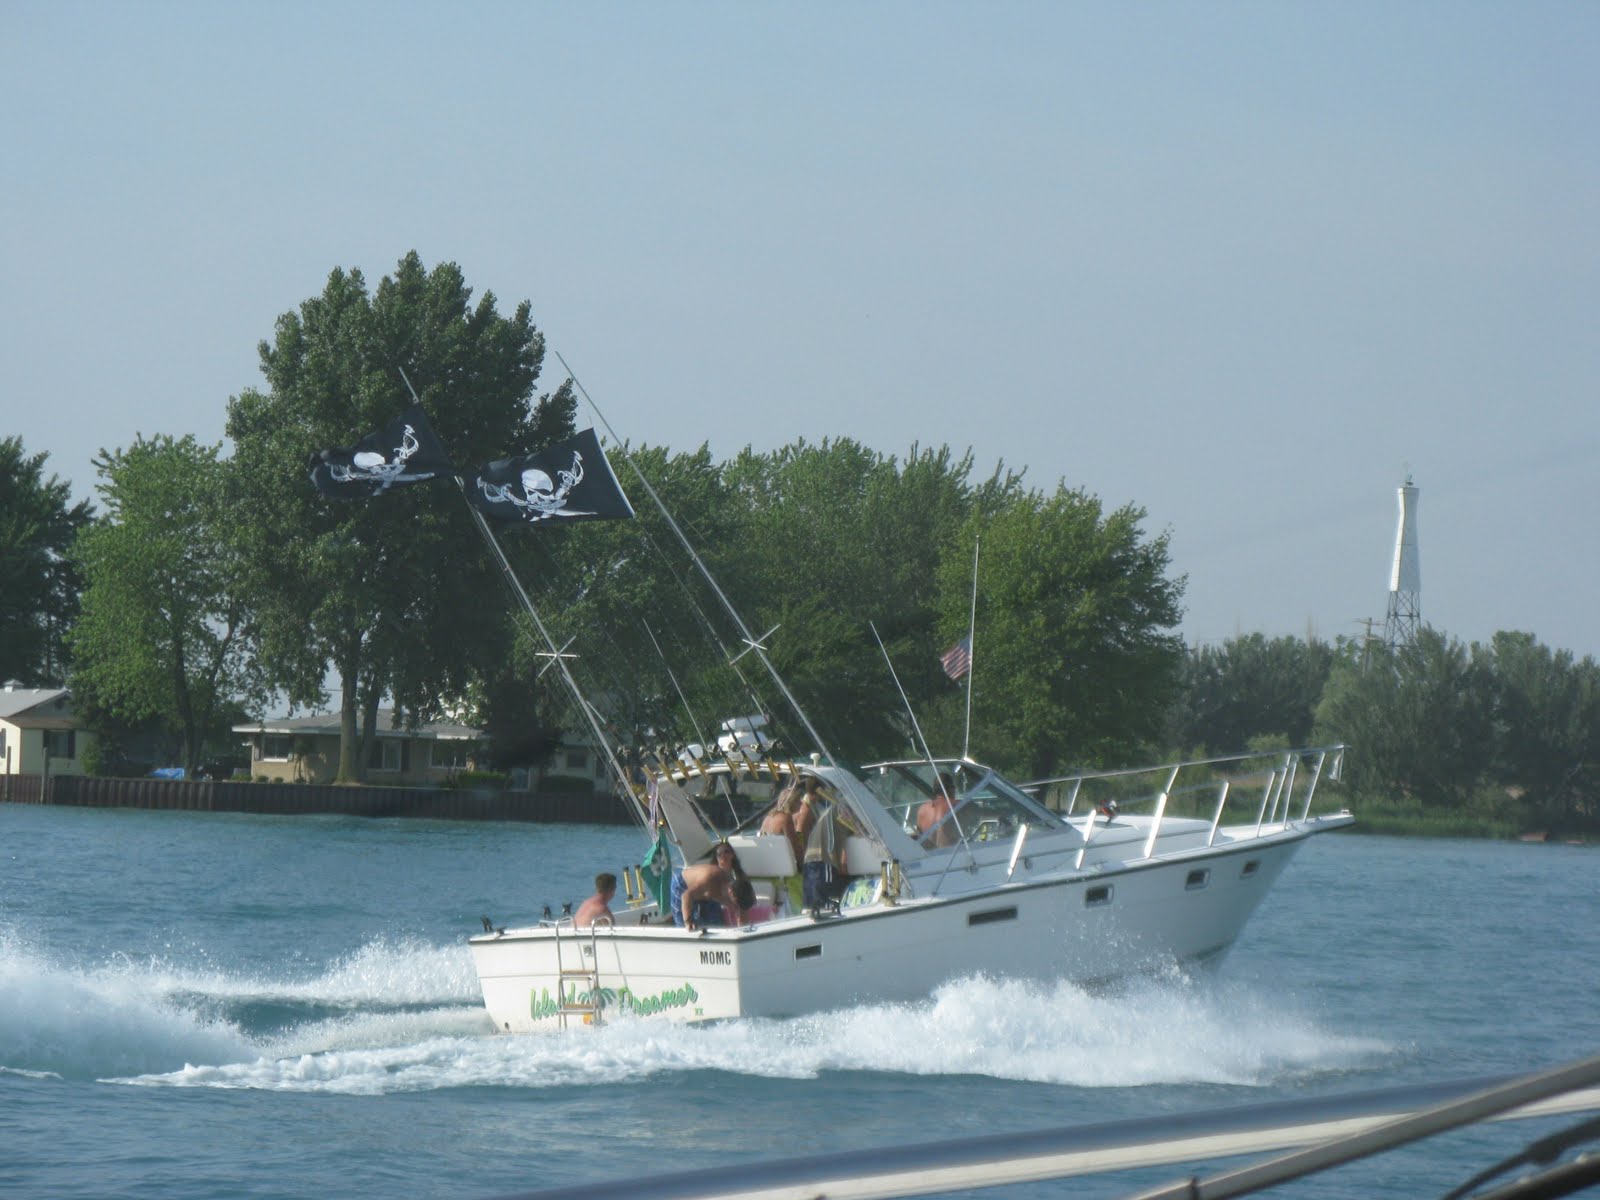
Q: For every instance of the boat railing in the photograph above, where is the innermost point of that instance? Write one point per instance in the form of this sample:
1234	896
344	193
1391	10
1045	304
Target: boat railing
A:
1288	780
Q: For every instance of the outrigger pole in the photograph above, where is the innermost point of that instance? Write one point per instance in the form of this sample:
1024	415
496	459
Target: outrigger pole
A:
556	655
751	642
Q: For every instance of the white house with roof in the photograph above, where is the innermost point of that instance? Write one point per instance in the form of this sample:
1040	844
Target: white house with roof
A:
306	749
39	732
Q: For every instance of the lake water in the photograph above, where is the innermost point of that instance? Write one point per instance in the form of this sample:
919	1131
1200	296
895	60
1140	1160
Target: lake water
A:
196	1006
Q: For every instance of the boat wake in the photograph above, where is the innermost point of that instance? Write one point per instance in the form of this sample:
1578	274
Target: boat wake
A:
401	1017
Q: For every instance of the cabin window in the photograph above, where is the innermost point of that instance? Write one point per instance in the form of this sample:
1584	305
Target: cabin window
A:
807	952
1197	879
992	915
1250	868
276	747
1096	896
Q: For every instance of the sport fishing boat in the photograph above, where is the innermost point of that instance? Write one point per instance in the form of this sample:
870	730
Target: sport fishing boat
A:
1087	878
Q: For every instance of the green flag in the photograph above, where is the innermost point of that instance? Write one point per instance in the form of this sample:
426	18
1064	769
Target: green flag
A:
655	872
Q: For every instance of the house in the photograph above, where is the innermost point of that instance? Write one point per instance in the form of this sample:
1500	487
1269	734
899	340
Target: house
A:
39	732
306	750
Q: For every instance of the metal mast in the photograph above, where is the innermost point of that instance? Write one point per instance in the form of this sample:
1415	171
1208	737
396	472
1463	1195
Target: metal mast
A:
1405	577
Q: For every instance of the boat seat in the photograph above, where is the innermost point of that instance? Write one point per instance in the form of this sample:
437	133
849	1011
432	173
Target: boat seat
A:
764	855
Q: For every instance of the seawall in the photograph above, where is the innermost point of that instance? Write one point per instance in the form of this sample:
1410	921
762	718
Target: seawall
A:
305	799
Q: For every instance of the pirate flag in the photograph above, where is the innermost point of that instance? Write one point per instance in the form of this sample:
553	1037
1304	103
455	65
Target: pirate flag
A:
568	480
403	451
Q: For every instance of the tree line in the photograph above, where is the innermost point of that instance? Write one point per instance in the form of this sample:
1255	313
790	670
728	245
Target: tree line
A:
206	586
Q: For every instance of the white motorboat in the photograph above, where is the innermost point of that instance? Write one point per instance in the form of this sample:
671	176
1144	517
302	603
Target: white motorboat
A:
1087	878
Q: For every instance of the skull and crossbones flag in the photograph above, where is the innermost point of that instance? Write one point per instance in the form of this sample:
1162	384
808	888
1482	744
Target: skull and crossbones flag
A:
568	480
404	451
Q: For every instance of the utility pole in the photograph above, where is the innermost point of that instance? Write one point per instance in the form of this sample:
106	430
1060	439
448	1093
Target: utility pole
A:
1366	641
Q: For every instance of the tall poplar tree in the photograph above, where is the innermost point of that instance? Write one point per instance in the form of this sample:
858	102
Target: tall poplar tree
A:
396	596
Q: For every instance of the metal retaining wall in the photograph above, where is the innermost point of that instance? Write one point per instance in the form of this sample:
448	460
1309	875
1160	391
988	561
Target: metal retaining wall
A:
298	799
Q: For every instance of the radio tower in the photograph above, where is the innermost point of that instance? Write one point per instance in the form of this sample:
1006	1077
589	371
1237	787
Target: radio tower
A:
1405	579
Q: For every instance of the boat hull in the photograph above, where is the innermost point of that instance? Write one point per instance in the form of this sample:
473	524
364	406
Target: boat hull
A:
1084	927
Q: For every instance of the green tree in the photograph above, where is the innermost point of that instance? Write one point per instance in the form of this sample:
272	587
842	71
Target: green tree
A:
1248	688
1074	662
1420	720
397	596
38	585
842	540
163	635
1547	725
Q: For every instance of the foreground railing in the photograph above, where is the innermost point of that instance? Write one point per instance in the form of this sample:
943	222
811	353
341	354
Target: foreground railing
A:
1319	1133
1288	780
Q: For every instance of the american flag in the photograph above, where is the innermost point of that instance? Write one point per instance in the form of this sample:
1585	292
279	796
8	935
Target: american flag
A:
958	659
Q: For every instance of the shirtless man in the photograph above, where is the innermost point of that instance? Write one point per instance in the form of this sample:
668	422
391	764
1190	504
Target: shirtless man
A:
707	881
805	813
935	809
597	906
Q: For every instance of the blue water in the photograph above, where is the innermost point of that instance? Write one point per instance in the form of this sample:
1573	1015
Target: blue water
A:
199	1006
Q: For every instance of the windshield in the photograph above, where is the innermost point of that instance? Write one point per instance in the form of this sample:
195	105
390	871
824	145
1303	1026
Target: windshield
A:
985	805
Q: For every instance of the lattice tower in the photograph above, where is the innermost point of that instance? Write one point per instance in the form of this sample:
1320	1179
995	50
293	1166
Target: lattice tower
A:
1405	577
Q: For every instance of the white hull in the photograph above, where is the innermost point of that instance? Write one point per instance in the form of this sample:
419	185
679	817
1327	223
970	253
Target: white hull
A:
1050	921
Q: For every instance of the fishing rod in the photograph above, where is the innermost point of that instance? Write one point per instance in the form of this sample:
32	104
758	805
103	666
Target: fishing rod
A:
694	721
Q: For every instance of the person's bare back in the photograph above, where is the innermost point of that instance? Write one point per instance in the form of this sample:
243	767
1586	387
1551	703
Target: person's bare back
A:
781	820
707	881
935	809
598	906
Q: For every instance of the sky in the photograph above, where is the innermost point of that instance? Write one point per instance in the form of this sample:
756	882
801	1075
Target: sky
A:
1246	266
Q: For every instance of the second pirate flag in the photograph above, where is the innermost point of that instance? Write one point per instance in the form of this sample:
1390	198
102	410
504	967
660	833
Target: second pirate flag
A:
566	481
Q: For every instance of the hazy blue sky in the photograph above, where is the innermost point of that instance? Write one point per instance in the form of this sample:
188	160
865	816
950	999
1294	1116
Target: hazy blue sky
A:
1242	264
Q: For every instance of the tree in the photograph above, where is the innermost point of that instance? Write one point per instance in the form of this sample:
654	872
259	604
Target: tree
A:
1420	717
842	540
38	585
1074	661
163	635
396	596
1247	688
1547	724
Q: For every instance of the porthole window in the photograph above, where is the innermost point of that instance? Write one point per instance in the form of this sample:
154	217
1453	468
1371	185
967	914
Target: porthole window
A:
1250	868
1197	879
1097	896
